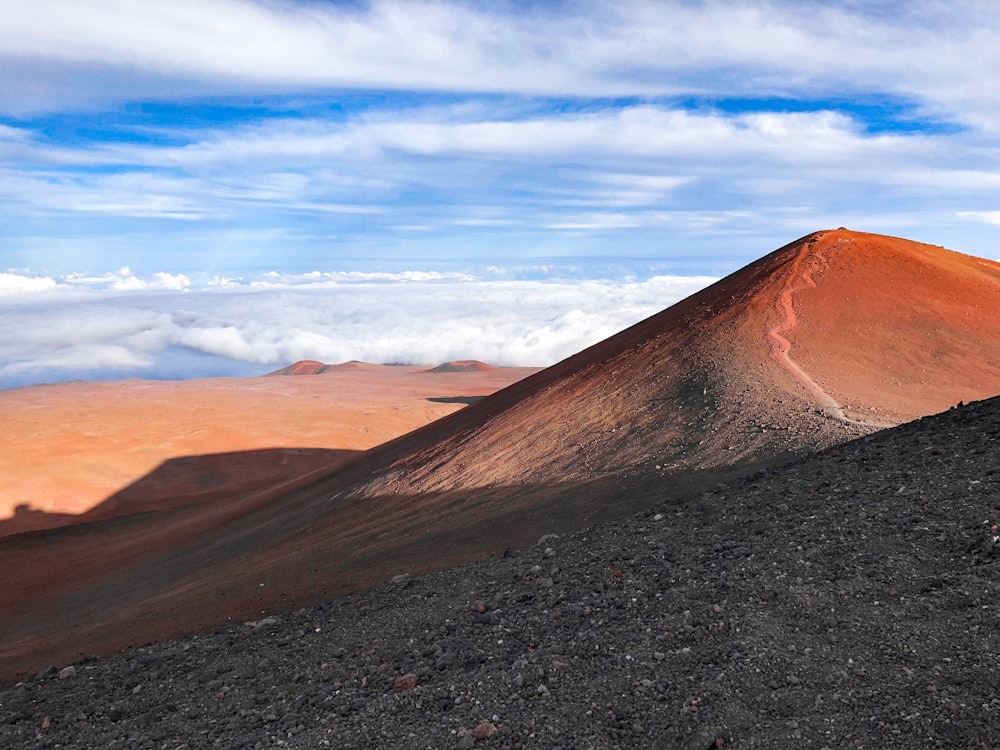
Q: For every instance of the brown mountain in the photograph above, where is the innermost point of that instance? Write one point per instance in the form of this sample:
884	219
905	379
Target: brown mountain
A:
463	365
303	367
830	337
312	367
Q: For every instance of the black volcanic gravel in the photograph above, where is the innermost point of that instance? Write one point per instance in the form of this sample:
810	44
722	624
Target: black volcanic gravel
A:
848	600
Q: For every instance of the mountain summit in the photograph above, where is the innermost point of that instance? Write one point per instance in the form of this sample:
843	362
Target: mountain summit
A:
831	337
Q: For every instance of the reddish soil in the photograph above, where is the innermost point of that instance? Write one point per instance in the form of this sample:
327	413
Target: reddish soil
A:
80	451
736	377
919	325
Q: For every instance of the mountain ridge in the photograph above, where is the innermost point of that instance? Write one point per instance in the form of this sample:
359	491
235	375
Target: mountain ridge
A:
696	394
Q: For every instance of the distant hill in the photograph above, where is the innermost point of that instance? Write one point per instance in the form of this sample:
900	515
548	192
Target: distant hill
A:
464	365
312	367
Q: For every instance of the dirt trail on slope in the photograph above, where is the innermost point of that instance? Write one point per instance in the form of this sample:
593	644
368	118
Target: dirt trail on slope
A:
800	278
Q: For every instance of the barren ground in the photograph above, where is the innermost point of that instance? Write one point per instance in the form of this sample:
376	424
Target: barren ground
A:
846	601
77	449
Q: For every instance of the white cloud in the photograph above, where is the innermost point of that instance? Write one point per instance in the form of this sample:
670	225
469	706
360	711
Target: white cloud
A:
637	130
418	171
13	283
526	126
945	54
597	221
121	280
79	360
986	217
679	140
418	317
331	278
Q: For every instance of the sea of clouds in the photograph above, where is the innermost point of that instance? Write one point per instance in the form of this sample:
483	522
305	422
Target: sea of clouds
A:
165	326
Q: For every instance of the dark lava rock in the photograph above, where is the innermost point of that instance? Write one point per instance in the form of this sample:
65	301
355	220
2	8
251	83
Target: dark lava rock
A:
847	600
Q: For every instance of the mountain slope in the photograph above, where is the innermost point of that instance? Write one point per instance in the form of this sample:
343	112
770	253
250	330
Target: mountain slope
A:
847	600
734	377
831	336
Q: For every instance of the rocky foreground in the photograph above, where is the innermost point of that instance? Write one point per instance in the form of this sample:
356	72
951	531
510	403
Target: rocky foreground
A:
848	600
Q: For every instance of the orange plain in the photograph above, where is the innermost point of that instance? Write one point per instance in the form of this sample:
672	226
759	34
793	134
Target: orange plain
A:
66	449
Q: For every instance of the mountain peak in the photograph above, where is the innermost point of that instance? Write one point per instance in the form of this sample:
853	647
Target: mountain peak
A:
831	337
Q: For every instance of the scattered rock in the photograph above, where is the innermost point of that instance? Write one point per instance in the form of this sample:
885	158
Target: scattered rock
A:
635	660
404	683
485	730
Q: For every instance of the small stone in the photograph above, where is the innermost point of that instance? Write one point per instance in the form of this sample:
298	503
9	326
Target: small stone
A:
404	683
659	655
484	730
263	624
401	578
465	742
444	661
67	672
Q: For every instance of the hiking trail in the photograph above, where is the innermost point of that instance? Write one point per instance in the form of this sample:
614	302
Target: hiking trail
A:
800	277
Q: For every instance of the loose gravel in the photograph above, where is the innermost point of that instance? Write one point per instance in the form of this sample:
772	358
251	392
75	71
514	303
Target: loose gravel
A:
848	600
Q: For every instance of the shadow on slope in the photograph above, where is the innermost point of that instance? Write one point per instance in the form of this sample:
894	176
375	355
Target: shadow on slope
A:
137	578
189	480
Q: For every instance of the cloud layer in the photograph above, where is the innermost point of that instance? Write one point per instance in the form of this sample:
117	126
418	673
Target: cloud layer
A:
244	134
120	325
944	54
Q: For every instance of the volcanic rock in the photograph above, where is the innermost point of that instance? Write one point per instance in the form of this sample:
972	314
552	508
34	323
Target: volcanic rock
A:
810	648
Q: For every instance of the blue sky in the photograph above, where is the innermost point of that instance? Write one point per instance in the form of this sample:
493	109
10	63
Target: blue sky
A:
225	139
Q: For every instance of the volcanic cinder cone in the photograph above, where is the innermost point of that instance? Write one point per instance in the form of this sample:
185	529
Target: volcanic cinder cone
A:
828	338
